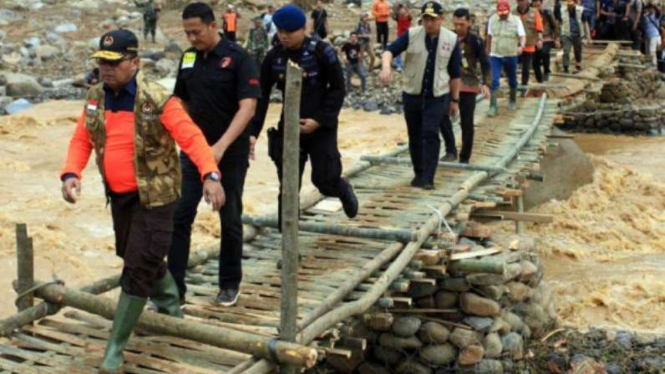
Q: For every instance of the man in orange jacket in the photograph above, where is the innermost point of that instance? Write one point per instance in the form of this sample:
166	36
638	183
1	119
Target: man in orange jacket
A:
131	124
381	13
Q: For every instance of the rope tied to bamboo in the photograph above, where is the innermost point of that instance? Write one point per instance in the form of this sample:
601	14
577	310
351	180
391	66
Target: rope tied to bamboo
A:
32	289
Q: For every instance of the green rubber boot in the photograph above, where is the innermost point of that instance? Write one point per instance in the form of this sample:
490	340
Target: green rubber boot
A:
166	297
494	104
512	104
126	316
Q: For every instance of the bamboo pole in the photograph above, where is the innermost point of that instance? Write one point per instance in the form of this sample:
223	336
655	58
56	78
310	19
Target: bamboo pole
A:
324	228
44	309
290	214
442	164
396	267
25	267
257	345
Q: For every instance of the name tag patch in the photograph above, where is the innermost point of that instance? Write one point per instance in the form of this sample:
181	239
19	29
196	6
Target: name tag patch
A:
188	60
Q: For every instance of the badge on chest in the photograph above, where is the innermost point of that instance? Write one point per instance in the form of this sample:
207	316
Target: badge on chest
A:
188	60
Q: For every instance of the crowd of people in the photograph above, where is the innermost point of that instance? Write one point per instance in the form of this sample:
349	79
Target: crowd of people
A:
218	108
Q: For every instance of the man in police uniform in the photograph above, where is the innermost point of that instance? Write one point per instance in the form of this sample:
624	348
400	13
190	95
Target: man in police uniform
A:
218	82
431	83
133	126
475	80
321	101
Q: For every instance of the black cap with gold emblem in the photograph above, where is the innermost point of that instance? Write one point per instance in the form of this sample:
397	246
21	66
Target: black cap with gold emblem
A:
431	9
114	45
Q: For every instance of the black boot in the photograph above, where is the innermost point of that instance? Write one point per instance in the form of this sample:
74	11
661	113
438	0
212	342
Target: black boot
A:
350	201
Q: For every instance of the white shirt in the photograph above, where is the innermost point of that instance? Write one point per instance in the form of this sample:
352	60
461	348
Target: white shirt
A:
269	25
520	31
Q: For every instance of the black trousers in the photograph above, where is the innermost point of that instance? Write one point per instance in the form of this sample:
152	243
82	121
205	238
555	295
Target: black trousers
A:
527	61
382	34
322	150
230	35
423	121
541	61
234	170
467	109
142	240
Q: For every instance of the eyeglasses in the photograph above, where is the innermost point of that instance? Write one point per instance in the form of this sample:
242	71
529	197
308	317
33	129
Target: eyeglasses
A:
113	63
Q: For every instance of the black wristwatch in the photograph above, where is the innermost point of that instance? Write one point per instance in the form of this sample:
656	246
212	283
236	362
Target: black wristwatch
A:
456	101
213	176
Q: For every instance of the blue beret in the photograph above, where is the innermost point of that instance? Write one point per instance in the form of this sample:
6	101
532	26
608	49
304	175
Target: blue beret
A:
289	18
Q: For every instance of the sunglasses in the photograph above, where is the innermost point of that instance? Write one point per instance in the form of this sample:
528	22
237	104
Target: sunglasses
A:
113	63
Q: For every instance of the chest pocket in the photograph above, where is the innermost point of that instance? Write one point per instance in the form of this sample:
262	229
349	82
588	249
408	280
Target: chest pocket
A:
310	68
219	78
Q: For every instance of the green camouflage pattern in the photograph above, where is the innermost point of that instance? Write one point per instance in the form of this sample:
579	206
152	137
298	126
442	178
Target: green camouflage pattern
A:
156	162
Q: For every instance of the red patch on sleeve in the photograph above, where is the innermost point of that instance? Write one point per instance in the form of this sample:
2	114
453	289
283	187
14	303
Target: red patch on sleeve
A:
254	82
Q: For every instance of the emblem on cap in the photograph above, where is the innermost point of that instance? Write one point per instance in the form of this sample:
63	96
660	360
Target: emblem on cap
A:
147	108
108	40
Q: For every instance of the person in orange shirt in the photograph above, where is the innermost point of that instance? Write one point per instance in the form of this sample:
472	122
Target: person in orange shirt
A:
230	25
133	126
533	26
381	13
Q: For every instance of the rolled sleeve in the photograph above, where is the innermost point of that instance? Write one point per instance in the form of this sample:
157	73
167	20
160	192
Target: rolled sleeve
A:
400	45
455	62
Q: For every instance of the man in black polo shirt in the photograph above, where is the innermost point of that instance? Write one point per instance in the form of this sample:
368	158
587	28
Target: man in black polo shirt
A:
218	83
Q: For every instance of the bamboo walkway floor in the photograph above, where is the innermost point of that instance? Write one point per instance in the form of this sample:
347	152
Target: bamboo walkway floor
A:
73	341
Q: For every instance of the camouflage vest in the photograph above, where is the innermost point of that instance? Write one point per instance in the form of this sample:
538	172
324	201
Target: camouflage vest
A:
529	21
156	162
471	70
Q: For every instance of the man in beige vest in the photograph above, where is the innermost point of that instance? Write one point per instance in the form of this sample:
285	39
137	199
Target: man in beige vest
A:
133	126
573	32
506	39
431	83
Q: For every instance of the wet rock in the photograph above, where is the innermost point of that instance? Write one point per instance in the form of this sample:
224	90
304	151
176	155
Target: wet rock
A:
17	106
7	16
624	339
438	354
489	367
47	52
413	367
387	355
515	322
455	284
528	271
480	306
370	106
21	85
463	338
471	355
426	302
518	291
66	27
493	292
513	345
500	326
480	324
396	342
422	290
433	333
492	345
446	299
406	326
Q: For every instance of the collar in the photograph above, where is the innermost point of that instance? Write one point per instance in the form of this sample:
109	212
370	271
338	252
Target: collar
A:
129	88
220	48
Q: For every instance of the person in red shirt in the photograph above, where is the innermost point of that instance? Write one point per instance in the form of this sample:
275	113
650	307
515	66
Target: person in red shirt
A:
133	125
381	13
533	26
403	24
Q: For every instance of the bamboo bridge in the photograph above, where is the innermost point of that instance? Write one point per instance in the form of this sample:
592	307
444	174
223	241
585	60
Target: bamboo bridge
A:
345	266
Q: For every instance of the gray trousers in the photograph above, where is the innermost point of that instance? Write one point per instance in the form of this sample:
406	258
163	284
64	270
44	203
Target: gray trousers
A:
357	69
568	43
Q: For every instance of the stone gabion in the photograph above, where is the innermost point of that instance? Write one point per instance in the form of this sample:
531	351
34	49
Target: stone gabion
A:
468	322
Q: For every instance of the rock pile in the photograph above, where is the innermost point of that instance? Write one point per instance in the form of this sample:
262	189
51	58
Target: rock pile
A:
471	309
629	102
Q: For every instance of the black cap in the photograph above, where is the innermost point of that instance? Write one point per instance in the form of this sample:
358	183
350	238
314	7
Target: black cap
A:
432	9
114	45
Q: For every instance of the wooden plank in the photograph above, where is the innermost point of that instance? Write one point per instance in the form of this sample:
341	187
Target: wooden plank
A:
515	216
486	252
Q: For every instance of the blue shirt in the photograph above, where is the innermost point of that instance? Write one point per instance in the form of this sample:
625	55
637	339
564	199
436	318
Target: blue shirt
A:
454	64
123	101
589	5
652	23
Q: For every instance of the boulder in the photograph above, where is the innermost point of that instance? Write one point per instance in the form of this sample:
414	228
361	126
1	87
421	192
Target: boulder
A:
406	326
463	338
433	333
47	52
21	85
479	306
471	355
446	299
492	345
439	355
513	345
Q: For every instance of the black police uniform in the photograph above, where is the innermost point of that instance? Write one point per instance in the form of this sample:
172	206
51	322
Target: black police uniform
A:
321	99
211	87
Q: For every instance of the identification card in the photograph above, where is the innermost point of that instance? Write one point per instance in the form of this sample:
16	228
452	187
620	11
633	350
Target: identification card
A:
188	60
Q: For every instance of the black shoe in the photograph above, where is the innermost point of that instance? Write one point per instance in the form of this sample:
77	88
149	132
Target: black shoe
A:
428	186
350	202
227	296
449	157
417	182
463	161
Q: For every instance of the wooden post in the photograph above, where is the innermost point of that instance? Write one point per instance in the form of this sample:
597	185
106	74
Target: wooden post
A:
290	201
519	225
25	266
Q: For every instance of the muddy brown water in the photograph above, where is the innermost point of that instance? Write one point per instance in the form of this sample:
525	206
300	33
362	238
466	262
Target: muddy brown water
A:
605	250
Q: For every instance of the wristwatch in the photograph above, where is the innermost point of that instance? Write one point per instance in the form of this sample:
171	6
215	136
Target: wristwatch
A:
213	176
454	100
